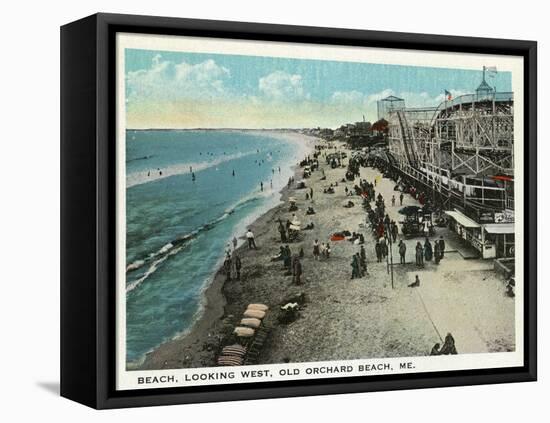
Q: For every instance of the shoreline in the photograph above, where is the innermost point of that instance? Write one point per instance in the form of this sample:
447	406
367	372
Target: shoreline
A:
206	327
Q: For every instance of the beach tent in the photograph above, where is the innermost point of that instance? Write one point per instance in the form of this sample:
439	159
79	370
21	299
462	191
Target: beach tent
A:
294	227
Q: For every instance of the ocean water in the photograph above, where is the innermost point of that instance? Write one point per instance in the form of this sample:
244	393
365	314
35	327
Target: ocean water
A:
177	229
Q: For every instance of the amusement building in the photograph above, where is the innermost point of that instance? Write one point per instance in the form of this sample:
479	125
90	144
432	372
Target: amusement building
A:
461	153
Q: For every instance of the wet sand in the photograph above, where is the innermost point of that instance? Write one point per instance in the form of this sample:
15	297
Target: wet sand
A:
344	318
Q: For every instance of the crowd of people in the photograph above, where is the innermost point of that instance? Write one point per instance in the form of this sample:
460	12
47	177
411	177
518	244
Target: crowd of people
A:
427	252
384	229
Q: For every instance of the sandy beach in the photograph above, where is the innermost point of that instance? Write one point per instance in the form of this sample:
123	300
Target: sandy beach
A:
344	318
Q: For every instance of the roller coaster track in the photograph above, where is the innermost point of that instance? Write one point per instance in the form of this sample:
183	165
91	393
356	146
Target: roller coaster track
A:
450	198
408	141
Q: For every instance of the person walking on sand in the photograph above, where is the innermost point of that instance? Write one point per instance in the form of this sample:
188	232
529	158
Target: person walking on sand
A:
227	268
297	273
234	243
402	252
238	266
354	267
437	252
428	252
401	199
419	254
323	250
442	247
287	258
380	229
393	200
384	247
233	269
359	266
378	250
394	230
282	231
316	249
261	186
251	241
363	257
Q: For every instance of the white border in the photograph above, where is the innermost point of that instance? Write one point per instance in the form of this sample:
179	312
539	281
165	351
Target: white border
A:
130	379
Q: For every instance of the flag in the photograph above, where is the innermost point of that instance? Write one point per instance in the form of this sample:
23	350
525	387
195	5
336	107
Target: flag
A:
448	95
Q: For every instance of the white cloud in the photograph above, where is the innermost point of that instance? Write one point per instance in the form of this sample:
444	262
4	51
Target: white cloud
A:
374	97
282	86
348	97
169	80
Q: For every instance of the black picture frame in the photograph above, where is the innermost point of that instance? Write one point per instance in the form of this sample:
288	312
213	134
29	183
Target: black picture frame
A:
88	209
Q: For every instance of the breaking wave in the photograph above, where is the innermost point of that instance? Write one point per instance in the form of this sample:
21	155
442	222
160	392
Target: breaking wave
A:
154	260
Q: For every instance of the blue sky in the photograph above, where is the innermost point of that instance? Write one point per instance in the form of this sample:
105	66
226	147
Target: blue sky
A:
189	90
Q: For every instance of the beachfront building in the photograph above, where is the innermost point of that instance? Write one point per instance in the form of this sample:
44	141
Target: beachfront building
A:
461	153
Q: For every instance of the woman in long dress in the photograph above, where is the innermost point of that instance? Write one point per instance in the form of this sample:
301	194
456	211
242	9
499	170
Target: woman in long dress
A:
428	252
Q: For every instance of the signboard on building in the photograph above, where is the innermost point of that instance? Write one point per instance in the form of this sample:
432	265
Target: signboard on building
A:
504	217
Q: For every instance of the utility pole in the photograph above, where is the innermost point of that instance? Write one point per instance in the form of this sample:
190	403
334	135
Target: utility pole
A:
389	257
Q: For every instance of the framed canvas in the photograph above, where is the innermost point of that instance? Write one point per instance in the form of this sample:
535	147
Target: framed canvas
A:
255	211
